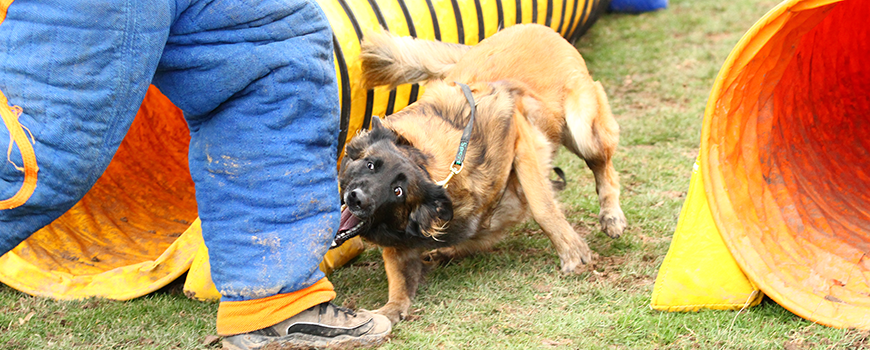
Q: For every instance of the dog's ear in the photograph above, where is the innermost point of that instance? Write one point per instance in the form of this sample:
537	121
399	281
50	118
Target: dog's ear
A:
352	151
432	214
380	132
376	123
378	128
358	145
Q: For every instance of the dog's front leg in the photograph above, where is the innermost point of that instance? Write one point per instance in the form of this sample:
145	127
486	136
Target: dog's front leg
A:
404	272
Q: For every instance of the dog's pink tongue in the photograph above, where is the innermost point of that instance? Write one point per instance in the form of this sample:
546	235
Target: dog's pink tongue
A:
348	221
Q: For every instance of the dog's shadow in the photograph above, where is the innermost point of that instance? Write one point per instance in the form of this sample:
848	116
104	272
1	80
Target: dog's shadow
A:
524	254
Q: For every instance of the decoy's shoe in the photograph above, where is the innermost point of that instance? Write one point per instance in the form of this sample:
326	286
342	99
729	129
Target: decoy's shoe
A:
323	326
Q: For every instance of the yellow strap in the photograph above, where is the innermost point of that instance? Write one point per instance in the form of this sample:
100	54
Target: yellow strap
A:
4	7
17	136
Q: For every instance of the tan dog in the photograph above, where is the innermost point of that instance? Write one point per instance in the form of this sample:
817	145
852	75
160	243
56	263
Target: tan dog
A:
531	92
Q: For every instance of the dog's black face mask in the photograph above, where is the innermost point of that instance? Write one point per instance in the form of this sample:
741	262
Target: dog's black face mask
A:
384	184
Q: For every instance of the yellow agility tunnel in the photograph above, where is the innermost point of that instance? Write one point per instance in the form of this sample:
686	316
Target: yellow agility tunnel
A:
779	202
137	229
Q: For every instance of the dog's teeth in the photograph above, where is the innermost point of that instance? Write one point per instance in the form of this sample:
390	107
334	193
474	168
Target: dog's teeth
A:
357	227
343	236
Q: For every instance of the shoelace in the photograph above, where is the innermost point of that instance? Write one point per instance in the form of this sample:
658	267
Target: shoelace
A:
336	310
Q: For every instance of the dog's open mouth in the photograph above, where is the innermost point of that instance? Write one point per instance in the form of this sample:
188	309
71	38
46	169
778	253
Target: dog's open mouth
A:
350	227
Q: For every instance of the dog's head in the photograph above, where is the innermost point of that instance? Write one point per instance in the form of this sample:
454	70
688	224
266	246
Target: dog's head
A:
384	184
383	178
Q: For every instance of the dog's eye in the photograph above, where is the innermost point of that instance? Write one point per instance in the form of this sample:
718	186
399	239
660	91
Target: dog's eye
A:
398	191
370	165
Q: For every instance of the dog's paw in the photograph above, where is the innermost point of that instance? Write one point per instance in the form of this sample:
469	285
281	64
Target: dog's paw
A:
573	262
440	256
392	312
612	221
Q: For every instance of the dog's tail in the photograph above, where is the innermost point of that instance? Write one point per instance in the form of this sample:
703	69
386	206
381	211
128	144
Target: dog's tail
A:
592	131
391	60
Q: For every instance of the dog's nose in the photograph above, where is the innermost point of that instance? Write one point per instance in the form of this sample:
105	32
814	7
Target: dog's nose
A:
355	199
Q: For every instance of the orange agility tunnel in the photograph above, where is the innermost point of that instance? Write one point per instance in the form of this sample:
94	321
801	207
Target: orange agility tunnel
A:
785	162
137	228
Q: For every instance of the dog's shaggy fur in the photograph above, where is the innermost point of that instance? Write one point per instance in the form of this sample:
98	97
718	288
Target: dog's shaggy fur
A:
532	93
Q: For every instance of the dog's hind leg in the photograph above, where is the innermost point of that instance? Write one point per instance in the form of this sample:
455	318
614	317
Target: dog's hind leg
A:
404	273
532	169
593	135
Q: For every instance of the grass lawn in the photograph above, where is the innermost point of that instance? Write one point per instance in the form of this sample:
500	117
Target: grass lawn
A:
658	69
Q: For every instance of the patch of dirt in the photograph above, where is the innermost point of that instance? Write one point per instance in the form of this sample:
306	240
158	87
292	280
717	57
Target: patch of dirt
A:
630	181
861	340
542	288
95	303
674	194
803	339
211	341
718	37
608	269
554	343
692	154
13	344
350	303
798	341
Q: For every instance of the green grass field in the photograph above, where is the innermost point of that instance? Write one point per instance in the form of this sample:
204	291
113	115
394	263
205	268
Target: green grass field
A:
658	69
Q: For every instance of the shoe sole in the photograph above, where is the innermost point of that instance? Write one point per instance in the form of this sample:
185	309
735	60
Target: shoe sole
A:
306	341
